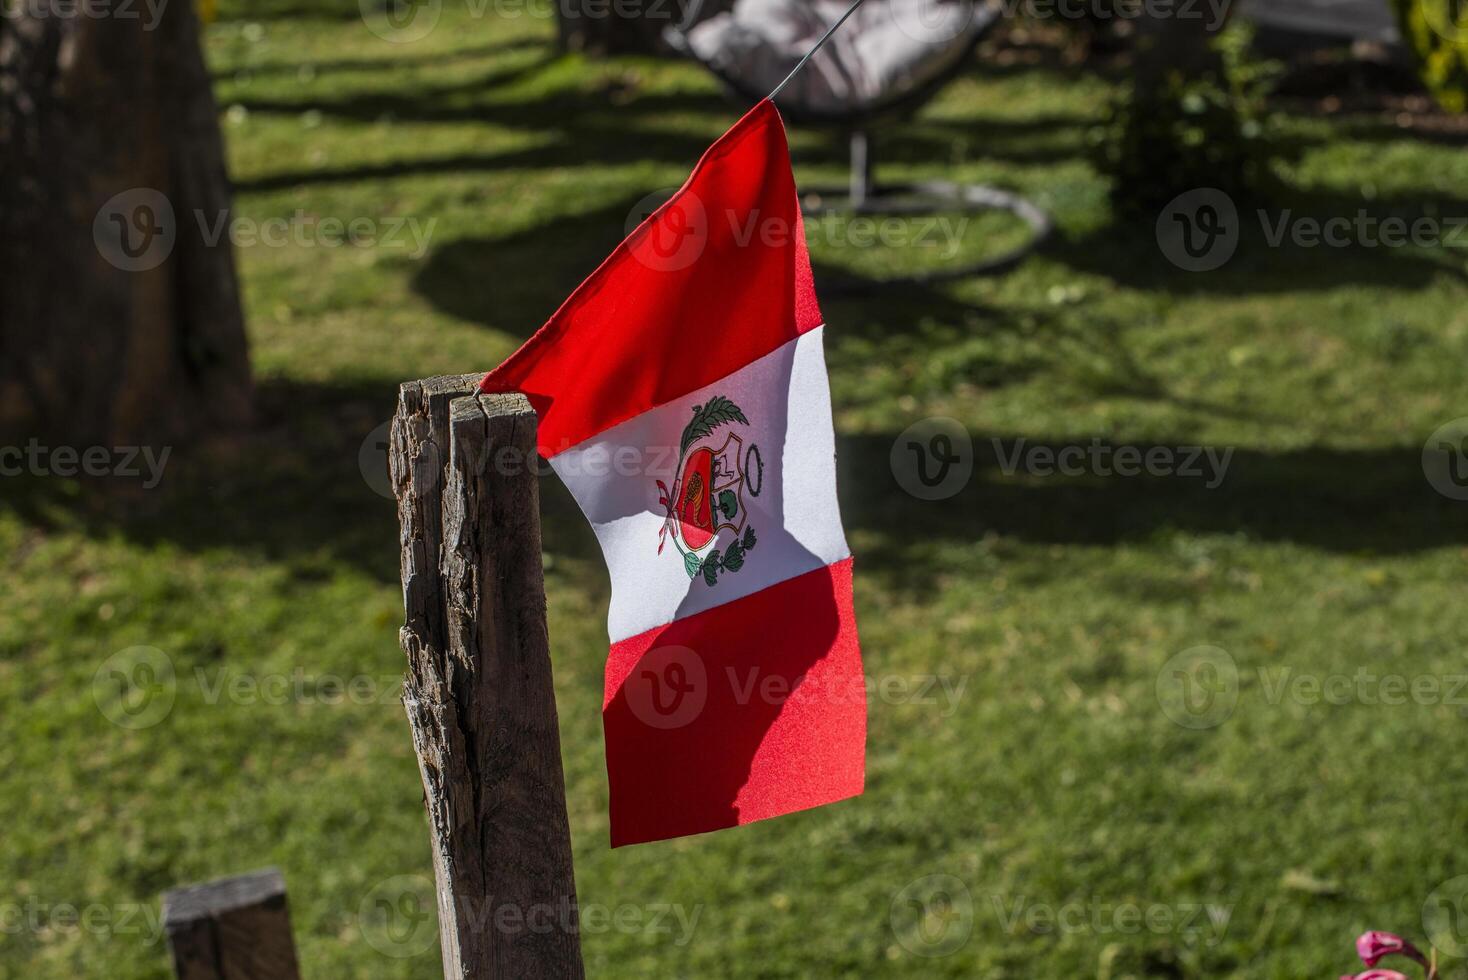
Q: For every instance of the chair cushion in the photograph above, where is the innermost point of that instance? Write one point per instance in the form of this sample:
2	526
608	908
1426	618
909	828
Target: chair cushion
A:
886	50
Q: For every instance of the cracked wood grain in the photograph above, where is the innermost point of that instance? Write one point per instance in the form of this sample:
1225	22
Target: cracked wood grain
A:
479	693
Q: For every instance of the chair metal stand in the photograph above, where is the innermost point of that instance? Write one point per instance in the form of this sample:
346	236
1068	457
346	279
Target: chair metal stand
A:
864	196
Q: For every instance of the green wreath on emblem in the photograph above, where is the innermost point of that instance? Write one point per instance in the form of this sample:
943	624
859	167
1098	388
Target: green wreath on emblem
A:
717	411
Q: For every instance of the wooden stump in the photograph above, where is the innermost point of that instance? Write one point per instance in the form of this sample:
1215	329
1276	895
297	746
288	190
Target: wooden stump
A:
232	929
479	693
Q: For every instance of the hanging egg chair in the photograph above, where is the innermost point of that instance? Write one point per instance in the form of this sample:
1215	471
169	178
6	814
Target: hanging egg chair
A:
887	61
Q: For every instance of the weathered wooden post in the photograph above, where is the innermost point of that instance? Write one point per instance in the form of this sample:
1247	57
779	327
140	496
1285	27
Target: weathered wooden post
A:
232	929
478	693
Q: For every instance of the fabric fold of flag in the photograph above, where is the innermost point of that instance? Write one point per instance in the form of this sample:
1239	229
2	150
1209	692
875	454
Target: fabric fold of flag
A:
683	400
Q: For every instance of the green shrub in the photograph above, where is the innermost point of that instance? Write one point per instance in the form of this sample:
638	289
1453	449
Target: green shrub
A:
1208	130
1437	33
1099	22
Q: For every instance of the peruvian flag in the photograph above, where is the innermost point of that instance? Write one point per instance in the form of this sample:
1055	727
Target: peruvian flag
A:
683	399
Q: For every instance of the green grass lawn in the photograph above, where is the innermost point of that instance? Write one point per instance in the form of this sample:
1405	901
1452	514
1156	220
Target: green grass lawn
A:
1049	780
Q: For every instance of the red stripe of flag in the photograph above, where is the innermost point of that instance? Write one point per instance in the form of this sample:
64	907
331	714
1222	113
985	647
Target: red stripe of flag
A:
642	320
753	709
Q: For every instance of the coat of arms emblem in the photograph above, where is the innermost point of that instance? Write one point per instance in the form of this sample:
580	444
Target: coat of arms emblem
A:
714	481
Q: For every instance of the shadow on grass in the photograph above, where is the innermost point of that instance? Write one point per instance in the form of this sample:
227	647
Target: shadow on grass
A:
295	491
614	125
319	10
513	283
1041	140
584	126
614	144
1367	501
303	491
324	66
991	348
1270	259
307	488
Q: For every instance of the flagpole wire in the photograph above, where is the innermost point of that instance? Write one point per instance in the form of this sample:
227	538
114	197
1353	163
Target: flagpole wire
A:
824	38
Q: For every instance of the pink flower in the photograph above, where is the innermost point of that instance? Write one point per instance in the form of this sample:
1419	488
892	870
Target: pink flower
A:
1374	946
1377	975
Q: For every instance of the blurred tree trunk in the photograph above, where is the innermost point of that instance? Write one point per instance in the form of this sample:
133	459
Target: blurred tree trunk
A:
615	26
120	316
1168	44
